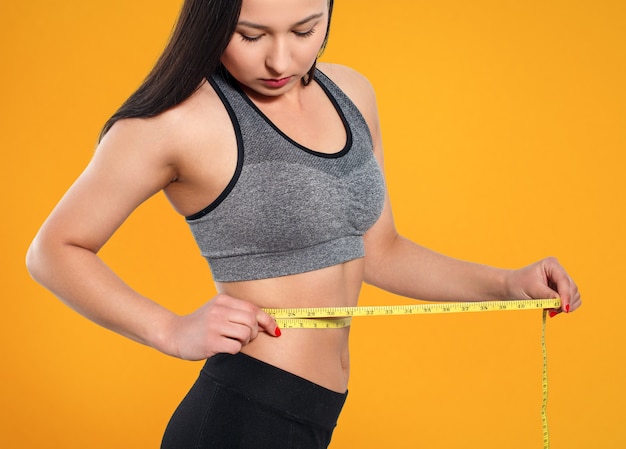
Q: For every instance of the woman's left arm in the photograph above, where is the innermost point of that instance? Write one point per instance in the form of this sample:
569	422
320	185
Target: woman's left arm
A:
400	266
403	267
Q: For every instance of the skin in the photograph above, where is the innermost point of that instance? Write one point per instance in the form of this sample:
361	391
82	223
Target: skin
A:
189	152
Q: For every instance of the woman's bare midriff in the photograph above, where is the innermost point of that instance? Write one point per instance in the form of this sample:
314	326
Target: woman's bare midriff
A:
318	355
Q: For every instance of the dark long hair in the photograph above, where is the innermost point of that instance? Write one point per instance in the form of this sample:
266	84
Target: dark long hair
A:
202	33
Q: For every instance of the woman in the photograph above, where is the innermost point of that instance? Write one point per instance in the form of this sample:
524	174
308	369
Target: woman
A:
277	166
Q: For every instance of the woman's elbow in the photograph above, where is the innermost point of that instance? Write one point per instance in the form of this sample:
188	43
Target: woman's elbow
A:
39	259
34	260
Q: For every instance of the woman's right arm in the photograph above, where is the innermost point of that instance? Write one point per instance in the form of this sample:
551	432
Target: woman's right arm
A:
134	161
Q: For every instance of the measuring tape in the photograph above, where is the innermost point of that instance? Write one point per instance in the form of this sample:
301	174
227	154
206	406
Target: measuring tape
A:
340	317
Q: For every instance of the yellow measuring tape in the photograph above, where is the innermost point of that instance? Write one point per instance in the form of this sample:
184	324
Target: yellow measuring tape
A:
340	317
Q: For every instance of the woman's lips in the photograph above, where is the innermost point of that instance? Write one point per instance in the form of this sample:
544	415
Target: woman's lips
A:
276	83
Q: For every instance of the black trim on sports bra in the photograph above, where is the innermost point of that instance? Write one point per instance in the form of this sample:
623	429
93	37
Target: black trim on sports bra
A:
332	99
240	156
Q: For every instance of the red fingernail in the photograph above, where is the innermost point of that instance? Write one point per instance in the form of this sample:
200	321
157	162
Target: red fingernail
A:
567	308
277	332
553	313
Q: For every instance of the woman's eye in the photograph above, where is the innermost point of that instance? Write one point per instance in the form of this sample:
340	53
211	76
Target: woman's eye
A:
247	38
304	33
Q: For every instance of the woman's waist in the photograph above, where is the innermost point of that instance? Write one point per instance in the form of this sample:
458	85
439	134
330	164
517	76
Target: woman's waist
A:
318	355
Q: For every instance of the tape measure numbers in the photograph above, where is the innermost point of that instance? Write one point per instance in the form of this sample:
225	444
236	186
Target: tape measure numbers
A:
339	317
336	317
544	383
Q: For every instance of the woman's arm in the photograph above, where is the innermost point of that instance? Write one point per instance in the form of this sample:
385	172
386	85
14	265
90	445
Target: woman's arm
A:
133	162
401	266
405	268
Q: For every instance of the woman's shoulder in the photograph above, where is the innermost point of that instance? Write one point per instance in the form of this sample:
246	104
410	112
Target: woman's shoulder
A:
356	86
199	118
352	82
200	114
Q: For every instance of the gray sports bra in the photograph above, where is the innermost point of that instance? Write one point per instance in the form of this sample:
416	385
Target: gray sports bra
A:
289	209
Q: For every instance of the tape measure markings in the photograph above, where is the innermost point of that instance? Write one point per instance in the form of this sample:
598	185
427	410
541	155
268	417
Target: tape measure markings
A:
544	384
297	316
313	323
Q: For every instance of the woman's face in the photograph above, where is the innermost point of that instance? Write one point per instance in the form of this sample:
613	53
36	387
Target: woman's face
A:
275	43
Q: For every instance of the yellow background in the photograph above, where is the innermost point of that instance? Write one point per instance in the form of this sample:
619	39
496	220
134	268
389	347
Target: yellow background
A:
504	127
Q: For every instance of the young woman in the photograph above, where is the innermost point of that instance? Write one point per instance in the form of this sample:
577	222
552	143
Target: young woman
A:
276	164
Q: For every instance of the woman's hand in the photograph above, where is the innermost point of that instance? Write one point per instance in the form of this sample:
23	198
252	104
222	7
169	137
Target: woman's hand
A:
545	279
224	324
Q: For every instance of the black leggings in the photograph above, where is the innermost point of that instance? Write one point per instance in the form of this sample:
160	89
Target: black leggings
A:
242	402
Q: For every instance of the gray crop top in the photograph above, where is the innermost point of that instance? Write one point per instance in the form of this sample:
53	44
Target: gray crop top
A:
289	209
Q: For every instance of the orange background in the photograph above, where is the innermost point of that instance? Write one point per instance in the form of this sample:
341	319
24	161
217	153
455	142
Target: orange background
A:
504	127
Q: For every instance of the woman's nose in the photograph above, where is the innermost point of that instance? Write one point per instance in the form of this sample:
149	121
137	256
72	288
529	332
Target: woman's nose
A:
278	58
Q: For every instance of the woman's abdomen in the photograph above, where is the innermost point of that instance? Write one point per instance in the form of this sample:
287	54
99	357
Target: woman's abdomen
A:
318	355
